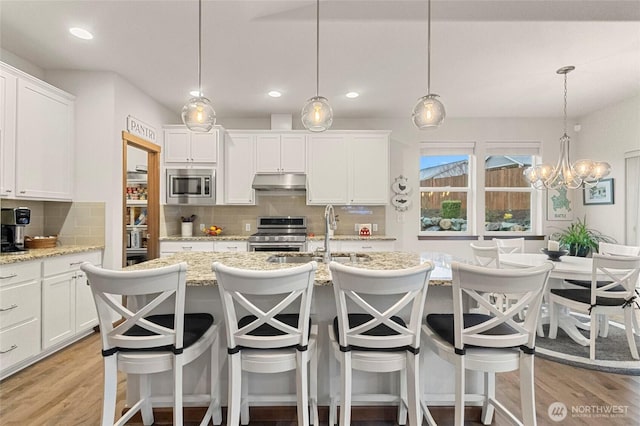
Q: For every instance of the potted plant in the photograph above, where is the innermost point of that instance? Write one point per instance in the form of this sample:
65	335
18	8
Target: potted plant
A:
580	240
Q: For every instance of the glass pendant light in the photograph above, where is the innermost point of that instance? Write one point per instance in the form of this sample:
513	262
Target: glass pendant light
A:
429	111
317	115
582	173
198	114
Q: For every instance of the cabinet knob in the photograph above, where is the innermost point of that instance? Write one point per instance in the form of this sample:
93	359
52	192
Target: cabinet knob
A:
9	190
23	192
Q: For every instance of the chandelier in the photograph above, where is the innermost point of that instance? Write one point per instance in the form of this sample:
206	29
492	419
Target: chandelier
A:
582	173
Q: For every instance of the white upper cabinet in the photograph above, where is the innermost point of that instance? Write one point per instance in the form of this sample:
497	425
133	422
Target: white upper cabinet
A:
184	146
348	168
37	138
369	171
8	87
239	168
327	166
280	153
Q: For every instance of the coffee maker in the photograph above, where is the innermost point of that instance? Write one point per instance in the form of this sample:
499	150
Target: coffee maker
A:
12	222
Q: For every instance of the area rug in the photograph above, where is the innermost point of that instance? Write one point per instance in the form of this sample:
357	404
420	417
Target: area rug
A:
612	352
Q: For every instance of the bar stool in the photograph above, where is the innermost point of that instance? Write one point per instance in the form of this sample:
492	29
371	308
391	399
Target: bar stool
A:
269	330
150	340
493	342
376	339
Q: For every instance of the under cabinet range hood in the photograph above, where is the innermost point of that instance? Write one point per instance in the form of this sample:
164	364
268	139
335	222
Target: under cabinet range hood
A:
279	182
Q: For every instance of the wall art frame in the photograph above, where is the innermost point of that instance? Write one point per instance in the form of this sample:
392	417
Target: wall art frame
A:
600	193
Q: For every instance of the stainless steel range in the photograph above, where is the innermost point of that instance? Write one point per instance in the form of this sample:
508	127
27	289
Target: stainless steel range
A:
280	233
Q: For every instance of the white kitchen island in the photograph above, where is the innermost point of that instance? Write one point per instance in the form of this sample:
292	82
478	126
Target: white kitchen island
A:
203	296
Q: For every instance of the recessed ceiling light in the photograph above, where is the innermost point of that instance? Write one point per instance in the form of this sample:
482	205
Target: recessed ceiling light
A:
352	95
274	94
81	33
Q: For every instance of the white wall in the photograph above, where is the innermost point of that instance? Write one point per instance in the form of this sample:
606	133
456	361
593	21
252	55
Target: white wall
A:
103	101
606	135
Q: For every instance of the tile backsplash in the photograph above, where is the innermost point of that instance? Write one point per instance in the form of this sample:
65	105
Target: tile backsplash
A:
73	223
234	218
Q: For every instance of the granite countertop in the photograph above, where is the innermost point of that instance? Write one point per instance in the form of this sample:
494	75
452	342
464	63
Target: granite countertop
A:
199	264
246	237
35	254
353	238
206	238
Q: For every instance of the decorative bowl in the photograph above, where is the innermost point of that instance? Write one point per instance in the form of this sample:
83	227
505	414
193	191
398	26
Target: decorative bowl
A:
555	255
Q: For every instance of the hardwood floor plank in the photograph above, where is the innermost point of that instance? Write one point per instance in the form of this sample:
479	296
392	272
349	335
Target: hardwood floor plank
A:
66	389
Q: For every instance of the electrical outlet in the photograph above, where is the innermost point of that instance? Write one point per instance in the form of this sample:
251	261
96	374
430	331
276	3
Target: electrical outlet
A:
247	227
202	227
374	227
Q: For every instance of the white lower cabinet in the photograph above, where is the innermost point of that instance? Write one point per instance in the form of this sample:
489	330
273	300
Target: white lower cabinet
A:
68	308
237	246
366	245
167	248
19	313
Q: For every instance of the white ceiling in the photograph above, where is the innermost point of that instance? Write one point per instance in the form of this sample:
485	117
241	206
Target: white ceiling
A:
490	58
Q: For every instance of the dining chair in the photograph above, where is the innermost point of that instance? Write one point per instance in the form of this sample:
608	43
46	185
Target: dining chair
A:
155	336
269	330
614	250
616	295
491	343
510	245
487	256
370	334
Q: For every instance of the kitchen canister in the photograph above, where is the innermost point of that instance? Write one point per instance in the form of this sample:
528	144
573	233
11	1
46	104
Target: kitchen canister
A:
187	229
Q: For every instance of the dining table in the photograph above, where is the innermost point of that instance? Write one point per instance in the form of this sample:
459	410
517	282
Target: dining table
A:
566	267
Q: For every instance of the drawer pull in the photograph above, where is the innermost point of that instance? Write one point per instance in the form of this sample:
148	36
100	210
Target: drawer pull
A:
76	263
186	248
10	349
6	277
367	247
13	306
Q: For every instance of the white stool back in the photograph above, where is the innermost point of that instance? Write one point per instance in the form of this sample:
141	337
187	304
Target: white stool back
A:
267	317
155	336
510	245
371	336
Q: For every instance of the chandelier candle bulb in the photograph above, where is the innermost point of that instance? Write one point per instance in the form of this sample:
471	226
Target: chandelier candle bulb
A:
553	245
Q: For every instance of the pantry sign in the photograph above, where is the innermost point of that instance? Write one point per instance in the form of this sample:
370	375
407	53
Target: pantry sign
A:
140	128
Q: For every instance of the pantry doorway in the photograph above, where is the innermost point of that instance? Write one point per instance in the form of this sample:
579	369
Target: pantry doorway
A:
140	199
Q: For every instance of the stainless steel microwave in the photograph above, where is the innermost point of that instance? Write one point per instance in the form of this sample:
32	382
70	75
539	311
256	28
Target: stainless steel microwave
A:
191	186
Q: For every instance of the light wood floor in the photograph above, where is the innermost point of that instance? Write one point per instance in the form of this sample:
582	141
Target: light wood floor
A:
66	389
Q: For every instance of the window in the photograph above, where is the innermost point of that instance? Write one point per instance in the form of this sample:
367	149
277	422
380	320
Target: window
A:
458	198
507	195
446	173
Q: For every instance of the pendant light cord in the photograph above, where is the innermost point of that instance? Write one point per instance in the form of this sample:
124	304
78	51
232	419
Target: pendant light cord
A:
429	47
199	48
565	103
317	48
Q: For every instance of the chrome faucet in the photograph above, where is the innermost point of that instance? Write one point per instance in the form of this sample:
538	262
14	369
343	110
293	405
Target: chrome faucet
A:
329	224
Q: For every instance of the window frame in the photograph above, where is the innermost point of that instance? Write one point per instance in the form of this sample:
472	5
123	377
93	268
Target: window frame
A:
451	148
476	190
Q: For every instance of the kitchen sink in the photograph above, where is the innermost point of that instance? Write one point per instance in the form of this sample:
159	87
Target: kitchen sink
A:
304	258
